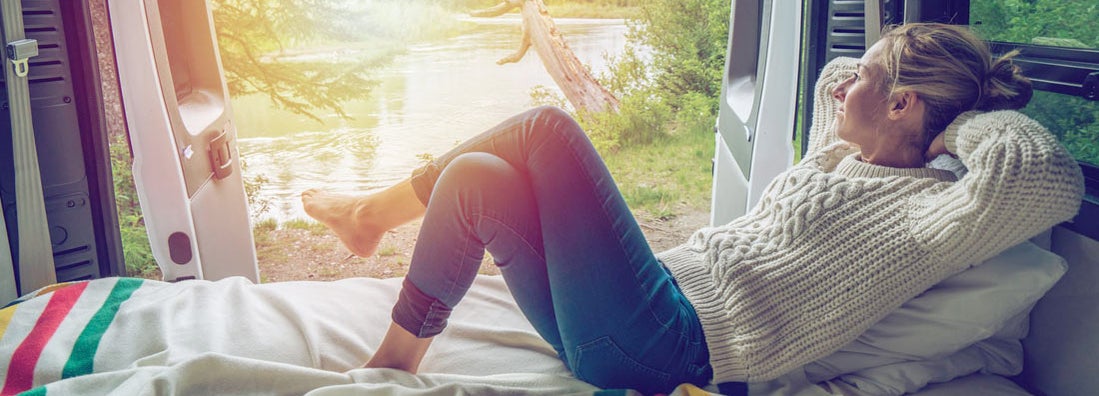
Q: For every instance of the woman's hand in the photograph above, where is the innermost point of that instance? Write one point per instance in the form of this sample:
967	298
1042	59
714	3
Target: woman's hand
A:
937	148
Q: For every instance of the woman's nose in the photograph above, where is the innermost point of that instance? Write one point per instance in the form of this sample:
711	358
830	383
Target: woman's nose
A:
840	91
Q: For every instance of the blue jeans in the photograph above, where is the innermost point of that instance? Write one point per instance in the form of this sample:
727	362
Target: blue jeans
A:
535	193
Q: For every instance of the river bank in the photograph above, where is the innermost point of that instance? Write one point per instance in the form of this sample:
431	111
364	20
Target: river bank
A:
307	251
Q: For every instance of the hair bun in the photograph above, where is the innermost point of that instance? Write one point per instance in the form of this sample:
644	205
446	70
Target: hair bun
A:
1005	87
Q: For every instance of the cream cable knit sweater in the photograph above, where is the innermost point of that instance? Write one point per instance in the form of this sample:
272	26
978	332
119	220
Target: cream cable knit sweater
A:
835	244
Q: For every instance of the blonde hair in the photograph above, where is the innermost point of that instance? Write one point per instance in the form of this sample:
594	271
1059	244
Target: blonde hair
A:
951	70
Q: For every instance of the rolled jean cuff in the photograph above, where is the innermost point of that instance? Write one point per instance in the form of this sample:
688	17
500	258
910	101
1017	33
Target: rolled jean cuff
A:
423	181
418	313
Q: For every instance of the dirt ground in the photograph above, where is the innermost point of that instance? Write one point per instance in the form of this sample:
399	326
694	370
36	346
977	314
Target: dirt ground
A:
288	254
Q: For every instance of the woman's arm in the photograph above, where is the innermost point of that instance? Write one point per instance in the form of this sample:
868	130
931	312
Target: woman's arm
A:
822	132
1021	181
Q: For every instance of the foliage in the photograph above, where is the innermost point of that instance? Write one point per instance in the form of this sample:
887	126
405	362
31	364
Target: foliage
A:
1029	21
425	158
641	119
668	77
659	145
1050	22
249	31
688	39
1074	121
285	49
542	95
136	252
252	186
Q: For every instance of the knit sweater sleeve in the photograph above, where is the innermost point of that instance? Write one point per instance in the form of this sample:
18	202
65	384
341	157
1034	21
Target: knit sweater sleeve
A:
1021	181
822	131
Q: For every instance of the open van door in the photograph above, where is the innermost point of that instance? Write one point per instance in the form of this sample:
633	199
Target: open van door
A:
756	114
74	186
186	165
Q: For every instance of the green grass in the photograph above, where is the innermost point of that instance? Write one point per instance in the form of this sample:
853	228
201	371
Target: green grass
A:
667	177
265	226
387	250
298	224
266	245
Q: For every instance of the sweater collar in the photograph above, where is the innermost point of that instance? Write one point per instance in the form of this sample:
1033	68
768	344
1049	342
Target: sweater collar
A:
851	166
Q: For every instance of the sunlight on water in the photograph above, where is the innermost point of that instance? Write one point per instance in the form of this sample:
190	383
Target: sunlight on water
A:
427	101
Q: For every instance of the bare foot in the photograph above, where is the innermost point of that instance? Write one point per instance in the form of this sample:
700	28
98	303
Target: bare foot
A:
348	217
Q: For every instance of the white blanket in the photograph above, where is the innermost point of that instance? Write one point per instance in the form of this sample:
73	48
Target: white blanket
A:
233	337
138	337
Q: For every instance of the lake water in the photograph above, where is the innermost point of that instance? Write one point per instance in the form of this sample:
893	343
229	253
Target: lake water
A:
427	101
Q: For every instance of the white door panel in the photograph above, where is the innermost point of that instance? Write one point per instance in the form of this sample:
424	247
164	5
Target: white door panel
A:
180	124
757	109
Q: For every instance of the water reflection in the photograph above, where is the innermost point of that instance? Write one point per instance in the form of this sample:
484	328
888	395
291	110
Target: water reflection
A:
427	101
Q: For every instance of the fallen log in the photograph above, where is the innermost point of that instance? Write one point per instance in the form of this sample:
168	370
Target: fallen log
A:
574	79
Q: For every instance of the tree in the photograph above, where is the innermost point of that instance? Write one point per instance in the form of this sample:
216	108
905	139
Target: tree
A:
251	31
688	39
1063	23
574	79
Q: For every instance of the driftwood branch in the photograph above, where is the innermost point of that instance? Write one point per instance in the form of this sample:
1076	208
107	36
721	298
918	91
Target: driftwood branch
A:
575	80
518	55
497	10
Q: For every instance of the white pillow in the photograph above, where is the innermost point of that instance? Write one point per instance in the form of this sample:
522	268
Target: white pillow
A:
915	344
991	356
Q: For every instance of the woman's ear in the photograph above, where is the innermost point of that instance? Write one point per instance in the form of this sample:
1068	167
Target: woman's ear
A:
904	105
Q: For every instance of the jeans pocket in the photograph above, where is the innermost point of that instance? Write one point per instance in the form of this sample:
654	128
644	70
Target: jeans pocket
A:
603	363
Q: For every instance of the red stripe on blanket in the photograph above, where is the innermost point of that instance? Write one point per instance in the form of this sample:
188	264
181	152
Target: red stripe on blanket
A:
25	358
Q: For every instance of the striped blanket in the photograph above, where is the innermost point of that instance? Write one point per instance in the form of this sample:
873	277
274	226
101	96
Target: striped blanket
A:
30	334
136	337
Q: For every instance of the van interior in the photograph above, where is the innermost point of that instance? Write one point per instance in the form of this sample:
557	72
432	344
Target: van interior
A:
56	184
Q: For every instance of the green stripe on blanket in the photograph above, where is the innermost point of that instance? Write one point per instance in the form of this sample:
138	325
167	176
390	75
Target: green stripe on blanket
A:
55	332
39	391
83	354
20	371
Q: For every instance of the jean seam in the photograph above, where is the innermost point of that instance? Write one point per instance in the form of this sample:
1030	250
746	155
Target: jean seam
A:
608	342
462	263
504	225
556	133
426	327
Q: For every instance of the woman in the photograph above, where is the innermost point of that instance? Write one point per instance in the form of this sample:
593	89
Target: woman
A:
835	243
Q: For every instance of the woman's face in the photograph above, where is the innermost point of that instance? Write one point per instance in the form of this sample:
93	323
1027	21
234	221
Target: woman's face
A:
863	101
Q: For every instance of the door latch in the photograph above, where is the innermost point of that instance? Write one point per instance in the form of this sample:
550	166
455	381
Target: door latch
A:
221	159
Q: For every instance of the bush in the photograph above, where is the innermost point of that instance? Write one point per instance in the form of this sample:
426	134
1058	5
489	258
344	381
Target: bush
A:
252	186
641	119
688	39
1066	23
136	252
668	77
